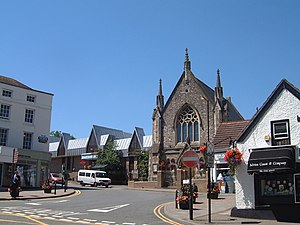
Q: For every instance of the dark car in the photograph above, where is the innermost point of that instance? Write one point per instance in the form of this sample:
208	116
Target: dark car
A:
56	178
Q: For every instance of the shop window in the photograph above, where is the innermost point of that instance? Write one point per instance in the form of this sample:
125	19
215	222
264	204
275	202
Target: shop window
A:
274	189
187	125
4	111
29	114
27	140
3	136
280	132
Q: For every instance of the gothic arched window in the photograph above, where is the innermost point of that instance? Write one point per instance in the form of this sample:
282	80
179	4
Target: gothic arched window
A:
187	125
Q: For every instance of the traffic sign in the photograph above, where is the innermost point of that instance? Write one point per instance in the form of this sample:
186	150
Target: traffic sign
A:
210	155
190	159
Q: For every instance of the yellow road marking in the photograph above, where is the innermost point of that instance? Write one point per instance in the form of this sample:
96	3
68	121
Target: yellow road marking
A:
15	221
157	212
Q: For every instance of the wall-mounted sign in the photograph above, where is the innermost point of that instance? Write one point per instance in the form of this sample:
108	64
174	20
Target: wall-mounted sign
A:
43	139
89	156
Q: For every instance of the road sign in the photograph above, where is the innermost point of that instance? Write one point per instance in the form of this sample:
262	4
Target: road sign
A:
210	155
190	159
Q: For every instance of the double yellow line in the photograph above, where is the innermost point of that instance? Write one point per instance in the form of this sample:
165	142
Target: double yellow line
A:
158	213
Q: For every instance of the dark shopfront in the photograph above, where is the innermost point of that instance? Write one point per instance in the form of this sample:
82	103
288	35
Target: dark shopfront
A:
276	173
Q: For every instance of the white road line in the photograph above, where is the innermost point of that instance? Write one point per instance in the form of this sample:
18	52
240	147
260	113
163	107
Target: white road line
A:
33	203
61	201
89	220
110	222
129	223
73	218
108	209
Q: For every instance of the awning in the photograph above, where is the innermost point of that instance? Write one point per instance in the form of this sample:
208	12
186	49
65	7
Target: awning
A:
271	160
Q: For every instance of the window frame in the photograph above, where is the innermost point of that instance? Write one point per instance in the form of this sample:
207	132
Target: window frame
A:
187	125
282	138
5	113
29	116
8	93
3	136
31	98
27	140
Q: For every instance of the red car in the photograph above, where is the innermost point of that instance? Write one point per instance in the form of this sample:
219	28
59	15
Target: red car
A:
56	178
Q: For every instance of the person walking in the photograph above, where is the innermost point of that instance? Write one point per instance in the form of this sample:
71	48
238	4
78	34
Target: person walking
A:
15	185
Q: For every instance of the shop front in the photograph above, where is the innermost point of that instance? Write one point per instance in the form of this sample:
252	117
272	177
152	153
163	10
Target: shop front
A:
33	167
275	171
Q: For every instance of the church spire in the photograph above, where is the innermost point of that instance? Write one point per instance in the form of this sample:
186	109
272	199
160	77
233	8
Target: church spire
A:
218	88
187	64
160	98
218	83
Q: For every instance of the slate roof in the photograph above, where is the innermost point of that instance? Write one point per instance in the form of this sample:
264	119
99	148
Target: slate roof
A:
228	132
118	134
209	93
283	84
147	142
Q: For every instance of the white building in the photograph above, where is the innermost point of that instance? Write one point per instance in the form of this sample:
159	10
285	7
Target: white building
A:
25	116
267	178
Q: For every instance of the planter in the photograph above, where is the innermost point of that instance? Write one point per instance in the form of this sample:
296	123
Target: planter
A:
47	190
213	195
184	205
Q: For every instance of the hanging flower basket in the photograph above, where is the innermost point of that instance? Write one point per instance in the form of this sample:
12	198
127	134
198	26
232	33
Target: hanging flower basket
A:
233	158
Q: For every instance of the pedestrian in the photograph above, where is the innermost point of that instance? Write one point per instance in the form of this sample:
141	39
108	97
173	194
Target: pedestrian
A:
220	180
15	185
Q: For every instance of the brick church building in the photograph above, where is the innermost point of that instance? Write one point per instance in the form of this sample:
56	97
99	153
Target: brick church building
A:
193	113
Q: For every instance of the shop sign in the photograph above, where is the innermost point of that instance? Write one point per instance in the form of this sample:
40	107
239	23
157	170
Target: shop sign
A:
89	156
43	139
268	165
297	187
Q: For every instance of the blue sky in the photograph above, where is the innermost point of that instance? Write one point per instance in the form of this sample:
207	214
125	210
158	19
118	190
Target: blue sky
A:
102	60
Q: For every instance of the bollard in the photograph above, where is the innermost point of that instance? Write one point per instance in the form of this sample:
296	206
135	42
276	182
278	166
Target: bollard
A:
176	196
55	188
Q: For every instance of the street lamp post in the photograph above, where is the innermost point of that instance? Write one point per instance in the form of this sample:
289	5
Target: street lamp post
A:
208	166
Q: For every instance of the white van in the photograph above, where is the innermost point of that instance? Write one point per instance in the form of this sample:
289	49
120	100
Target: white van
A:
93	178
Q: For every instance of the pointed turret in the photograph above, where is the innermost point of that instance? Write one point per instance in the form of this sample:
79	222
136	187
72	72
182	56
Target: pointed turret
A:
187	65
218	88
160	98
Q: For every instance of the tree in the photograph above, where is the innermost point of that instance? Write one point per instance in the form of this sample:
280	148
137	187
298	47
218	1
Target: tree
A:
111	158
59	134
143	161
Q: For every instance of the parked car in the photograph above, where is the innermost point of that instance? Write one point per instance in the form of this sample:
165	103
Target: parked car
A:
93	178
56	178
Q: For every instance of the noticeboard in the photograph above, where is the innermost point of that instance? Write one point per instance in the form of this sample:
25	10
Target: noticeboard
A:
297	187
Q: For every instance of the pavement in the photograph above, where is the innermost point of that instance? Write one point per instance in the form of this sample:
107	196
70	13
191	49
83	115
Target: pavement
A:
221	208
35	193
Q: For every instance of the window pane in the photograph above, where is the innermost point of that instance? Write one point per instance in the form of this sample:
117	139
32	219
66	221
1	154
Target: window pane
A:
196	131
190	134
179	133
280	128
184	131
